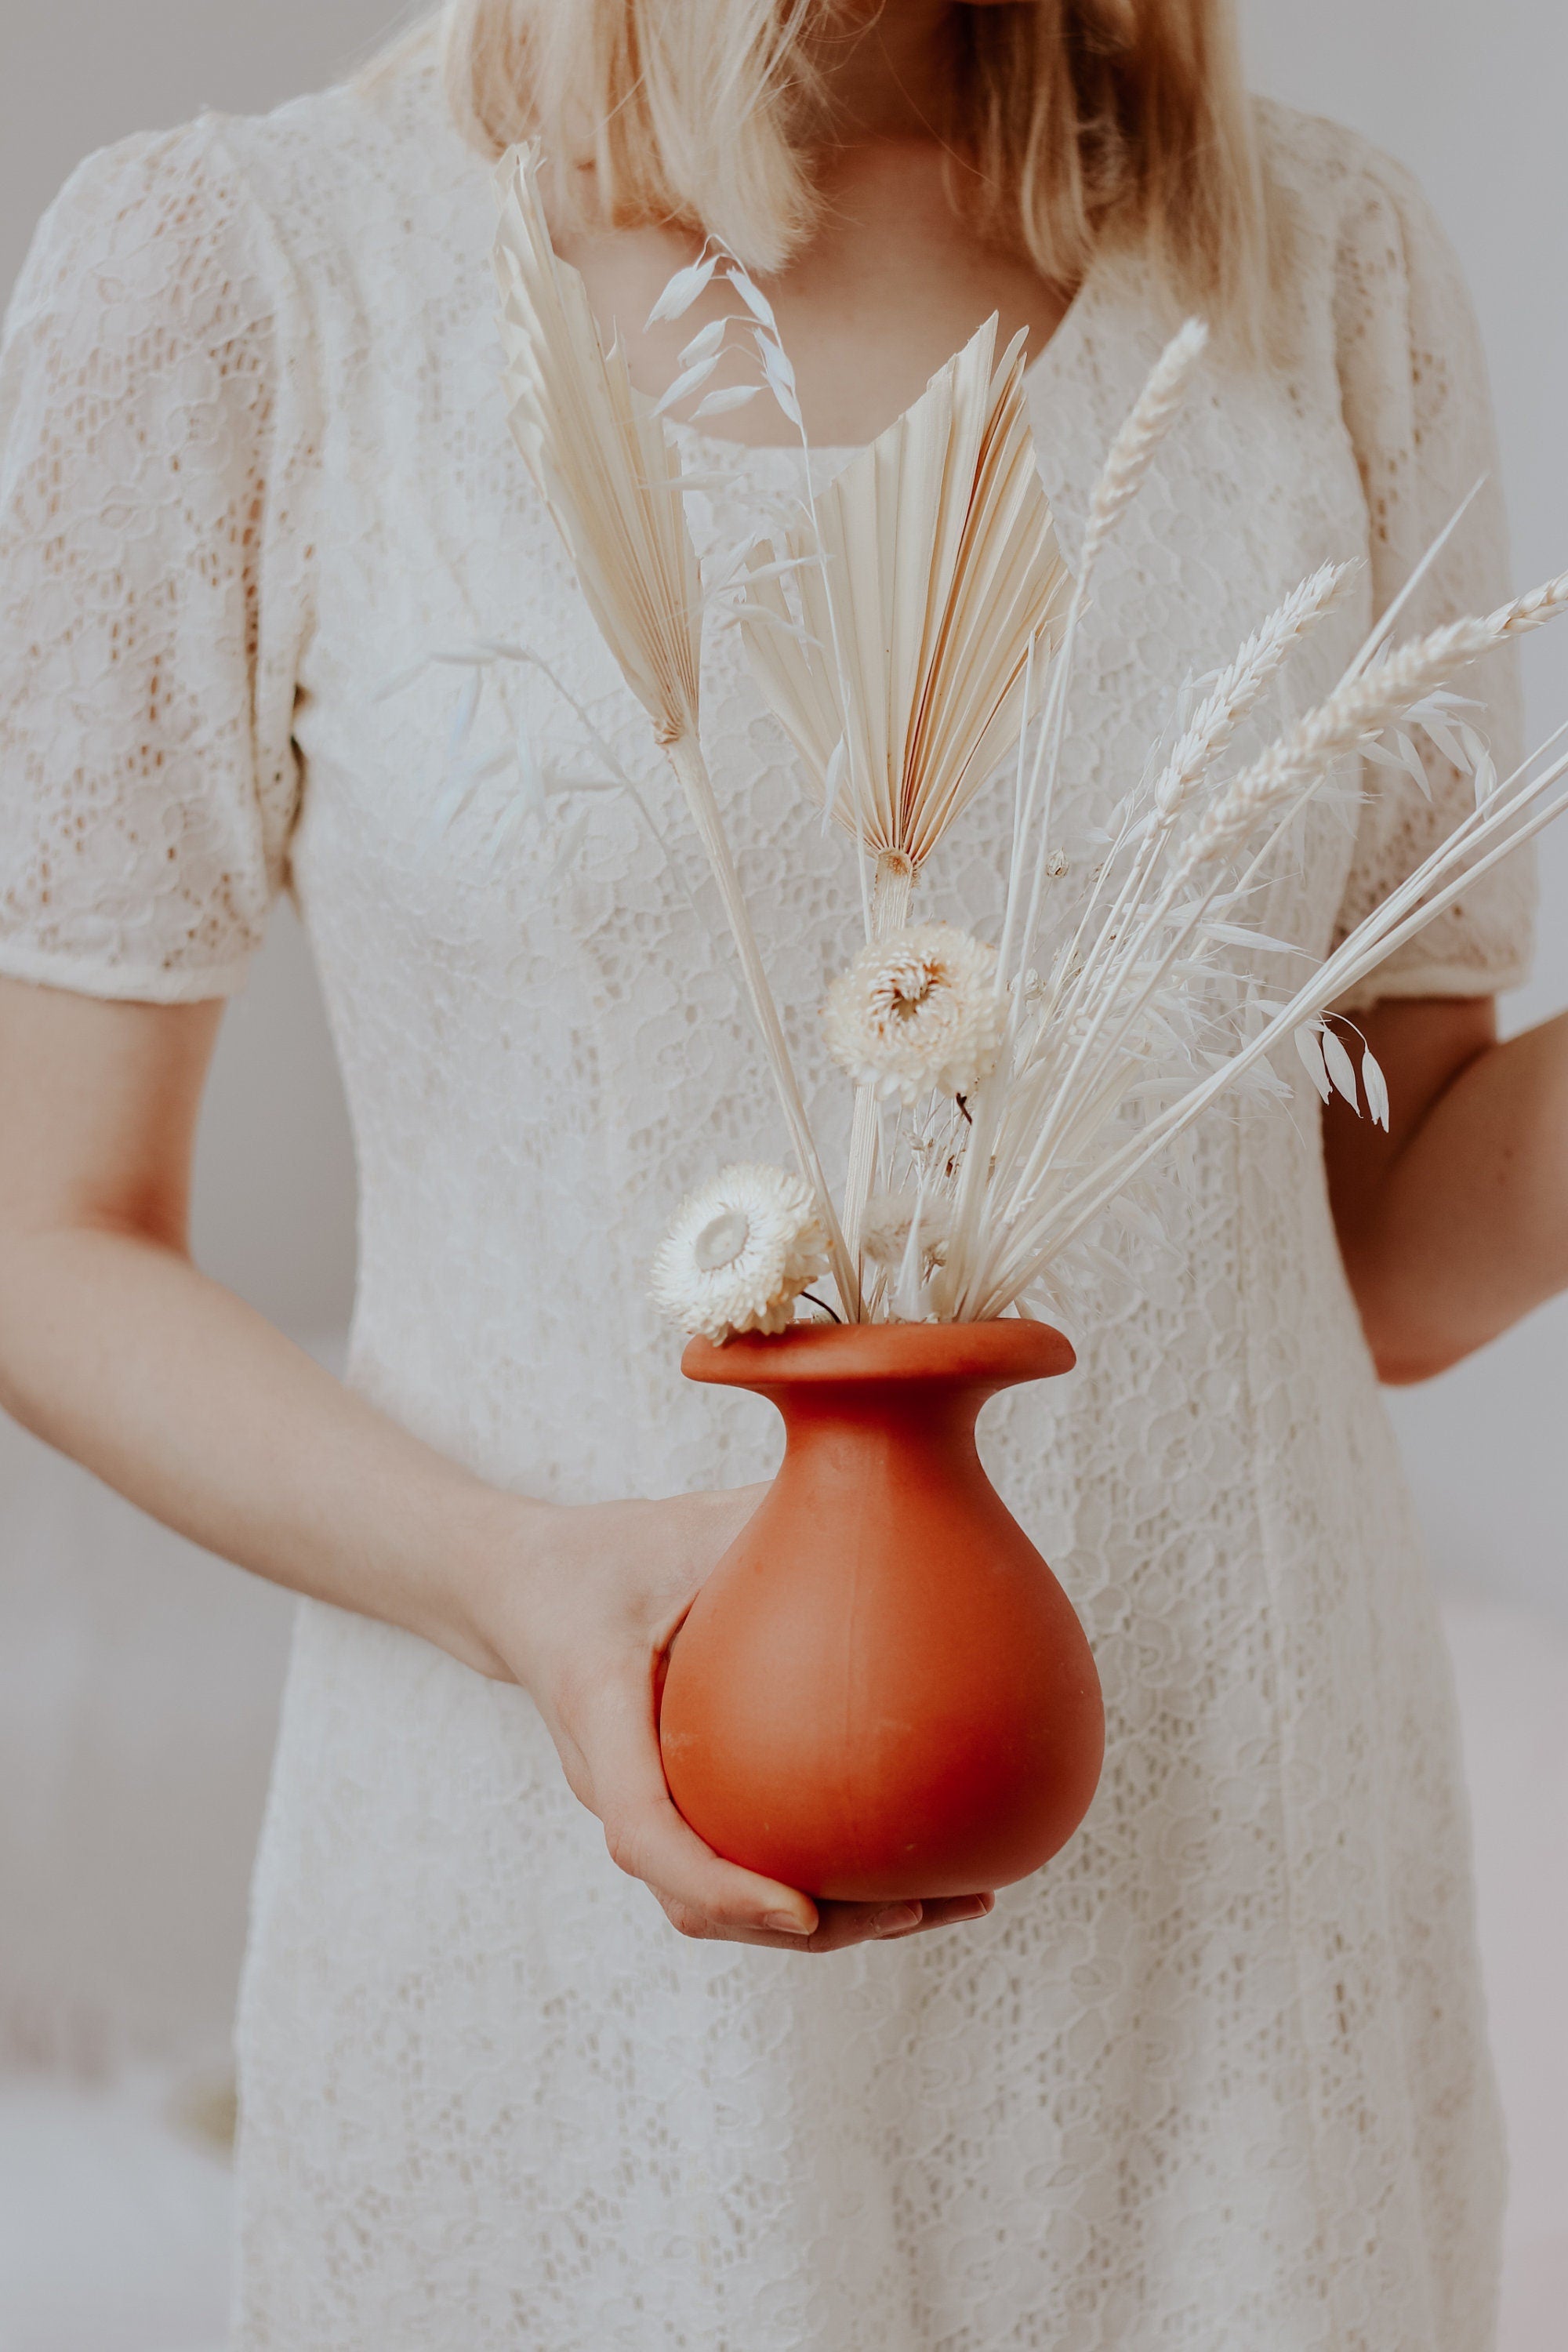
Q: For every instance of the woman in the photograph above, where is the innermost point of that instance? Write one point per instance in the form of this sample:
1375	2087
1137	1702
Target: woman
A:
1217	2078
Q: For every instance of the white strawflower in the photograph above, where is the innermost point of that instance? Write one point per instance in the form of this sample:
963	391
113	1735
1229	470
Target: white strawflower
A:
917	1013
888	1222
741	1249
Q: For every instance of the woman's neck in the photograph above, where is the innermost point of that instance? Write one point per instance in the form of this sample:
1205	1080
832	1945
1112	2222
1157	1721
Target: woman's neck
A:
893	276
885	67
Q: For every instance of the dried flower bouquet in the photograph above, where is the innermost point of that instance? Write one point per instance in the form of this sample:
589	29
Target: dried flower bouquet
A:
913	631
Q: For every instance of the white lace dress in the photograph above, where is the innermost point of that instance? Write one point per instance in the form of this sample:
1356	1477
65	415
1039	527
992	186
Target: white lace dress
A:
1214	2082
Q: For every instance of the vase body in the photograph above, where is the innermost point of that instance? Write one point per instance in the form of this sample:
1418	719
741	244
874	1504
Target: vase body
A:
882	1691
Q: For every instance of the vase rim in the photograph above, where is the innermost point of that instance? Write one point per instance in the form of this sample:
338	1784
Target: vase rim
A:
1010	1349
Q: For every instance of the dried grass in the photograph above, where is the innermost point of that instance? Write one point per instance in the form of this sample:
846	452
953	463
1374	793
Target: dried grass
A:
916	624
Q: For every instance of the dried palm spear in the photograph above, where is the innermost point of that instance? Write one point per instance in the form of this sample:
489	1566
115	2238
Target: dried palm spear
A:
610	475
931	573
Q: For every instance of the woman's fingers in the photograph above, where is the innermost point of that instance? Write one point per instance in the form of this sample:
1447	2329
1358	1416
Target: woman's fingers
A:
843	1925
947	1911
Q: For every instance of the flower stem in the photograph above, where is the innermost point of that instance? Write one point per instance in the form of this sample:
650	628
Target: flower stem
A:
686	758
890	891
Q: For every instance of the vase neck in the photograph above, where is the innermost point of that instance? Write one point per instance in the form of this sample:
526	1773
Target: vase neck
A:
906	1411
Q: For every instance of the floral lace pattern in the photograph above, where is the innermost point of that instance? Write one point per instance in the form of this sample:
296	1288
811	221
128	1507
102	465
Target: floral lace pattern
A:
1215	2081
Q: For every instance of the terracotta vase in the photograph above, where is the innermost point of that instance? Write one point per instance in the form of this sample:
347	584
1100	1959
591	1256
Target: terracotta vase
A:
883	1690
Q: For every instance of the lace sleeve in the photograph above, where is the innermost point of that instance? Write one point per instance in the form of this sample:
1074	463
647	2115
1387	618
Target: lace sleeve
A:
152	432
1418	410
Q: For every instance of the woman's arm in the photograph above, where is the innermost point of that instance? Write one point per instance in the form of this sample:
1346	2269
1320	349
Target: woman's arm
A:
1454	1225
115	1348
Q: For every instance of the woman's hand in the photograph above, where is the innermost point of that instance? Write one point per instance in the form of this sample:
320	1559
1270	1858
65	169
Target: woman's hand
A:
115	1348
582	1619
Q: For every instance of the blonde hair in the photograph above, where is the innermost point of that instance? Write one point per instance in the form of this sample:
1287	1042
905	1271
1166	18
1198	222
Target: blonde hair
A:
1083	123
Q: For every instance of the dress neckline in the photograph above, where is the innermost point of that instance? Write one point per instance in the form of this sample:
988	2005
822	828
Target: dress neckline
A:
1049	360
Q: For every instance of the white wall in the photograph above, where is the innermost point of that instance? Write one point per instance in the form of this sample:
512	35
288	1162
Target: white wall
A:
1470	93
139	1678
275	1180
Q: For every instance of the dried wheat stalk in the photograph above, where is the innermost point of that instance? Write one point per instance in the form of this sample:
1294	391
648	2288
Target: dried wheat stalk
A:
1359	708
1240	687
1136	445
